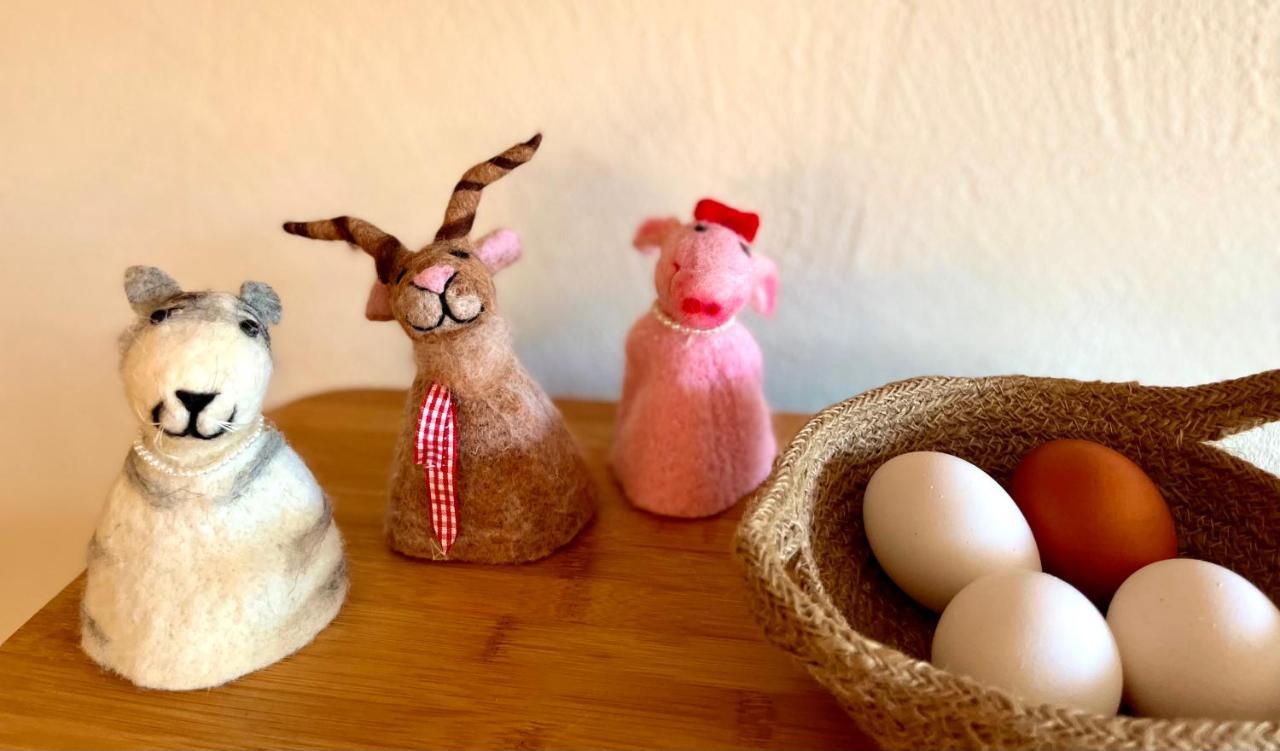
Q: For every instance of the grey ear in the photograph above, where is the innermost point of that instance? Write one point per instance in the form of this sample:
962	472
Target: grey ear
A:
147	286
264	301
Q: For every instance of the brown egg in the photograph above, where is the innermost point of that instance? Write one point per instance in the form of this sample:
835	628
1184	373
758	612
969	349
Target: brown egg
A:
1096	516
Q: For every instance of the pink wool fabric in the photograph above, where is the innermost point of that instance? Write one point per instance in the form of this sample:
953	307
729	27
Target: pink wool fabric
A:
694	433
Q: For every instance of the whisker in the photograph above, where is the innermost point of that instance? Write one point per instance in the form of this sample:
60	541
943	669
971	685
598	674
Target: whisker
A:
162	437
144	419
216	376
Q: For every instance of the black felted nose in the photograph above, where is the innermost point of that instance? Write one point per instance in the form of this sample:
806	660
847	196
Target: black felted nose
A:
194	402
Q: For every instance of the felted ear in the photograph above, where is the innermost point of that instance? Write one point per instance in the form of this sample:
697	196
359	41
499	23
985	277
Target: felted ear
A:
764	296
499	249
264	301
652	232
147	286
378	306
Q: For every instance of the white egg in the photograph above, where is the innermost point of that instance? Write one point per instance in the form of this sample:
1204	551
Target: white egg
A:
935	523
1036	637
1197	641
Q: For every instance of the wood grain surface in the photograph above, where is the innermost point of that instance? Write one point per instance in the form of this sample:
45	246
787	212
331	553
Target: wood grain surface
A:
635	635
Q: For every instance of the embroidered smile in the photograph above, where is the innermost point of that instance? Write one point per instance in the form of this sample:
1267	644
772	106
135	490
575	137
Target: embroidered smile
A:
446	312
191	430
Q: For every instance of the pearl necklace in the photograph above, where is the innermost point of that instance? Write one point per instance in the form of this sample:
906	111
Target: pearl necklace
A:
172	470
666	320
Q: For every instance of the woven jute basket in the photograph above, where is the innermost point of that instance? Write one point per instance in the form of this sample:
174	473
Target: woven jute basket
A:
820	595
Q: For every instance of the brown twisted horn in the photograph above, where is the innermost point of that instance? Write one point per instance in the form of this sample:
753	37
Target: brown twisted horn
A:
384	248
461	212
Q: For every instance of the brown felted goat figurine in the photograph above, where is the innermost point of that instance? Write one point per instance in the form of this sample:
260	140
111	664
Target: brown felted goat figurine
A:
485	469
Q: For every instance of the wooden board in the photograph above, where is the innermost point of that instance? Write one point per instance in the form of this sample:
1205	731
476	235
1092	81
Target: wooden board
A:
635	635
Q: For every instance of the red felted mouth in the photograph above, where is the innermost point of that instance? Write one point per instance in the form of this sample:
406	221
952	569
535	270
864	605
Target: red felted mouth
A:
702	312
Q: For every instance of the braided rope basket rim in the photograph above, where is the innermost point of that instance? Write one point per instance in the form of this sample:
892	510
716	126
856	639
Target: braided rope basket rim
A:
902	701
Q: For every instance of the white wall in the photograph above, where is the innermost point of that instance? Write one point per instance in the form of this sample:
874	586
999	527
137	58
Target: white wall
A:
1078	188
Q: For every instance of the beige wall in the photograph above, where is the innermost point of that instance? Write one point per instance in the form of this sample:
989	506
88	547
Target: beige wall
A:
1078	188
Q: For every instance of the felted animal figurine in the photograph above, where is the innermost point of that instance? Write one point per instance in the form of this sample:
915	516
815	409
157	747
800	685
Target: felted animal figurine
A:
216	553
693	432
485	469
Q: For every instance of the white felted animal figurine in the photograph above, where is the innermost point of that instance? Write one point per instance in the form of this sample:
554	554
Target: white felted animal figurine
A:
217	553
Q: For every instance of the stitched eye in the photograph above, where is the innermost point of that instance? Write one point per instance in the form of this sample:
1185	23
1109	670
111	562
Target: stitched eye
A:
159	316
250	328
745	249
699	227
401	275
459	254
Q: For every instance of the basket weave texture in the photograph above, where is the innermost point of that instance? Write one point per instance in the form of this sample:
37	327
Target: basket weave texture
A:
820	595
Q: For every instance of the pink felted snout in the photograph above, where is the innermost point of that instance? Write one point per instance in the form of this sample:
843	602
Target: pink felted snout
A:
706	272
433	278
704	298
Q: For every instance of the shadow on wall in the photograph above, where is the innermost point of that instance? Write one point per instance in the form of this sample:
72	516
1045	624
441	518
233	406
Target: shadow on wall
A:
908	305
569	351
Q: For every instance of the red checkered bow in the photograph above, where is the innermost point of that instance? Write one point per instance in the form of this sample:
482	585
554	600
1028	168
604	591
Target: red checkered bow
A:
437	450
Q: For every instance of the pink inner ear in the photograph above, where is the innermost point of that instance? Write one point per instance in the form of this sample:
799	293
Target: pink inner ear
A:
764	298
378	306
652	232
499	249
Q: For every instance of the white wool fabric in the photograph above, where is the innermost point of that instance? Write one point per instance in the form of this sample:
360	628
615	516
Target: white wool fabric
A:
198	347
230	560
191	584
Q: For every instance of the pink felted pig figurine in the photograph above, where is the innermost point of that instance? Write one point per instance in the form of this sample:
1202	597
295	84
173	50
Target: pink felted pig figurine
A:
693	432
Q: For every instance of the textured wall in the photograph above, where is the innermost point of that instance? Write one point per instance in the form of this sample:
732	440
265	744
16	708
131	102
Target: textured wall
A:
1076	188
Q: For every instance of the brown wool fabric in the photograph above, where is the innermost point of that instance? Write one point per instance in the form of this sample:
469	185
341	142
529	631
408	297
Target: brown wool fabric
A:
461	211
385	249
522	486
819	594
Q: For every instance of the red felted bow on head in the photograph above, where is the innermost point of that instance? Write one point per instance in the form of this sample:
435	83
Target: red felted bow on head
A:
743	222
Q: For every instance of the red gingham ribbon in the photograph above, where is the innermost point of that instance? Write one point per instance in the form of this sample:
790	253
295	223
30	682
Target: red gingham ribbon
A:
437	450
